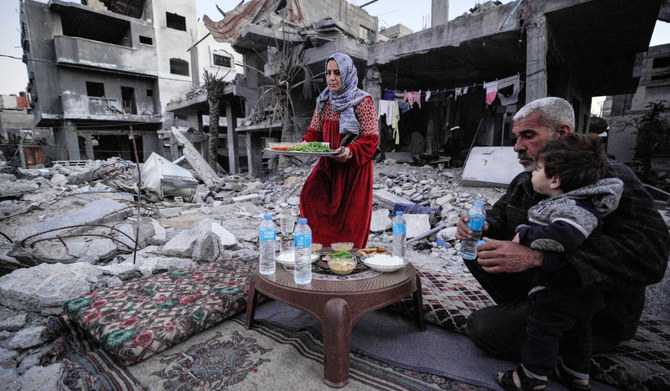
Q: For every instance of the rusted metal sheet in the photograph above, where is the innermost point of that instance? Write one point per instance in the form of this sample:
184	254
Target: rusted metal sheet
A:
34	157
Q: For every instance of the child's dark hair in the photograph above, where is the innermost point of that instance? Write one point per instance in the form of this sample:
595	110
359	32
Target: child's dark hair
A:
577	159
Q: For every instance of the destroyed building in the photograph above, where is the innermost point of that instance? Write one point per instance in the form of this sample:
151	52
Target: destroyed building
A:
98	68
458	82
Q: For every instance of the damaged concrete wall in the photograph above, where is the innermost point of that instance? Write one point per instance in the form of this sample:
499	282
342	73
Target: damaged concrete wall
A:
173	43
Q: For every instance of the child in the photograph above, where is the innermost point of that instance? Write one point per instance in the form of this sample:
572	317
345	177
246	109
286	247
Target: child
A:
569	171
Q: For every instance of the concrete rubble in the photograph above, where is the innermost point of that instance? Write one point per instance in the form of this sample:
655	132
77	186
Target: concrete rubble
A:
68	237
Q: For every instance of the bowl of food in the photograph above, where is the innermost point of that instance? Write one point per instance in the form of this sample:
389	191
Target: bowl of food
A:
284	146
384	263
342	265
316	247
342	246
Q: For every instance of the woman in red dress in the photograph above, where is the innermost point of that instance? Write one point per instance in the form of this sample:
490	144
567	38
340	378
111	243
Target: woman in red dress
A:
337	196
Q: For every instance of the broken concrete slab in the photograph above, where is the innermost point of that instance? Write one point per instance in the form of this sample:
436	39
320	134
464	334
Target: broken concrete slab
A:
8	358
96	212
40	378
491	166
388	199
46	287
380	220
417	224
11	189
27	338
185	242
11	321
202	169
150	264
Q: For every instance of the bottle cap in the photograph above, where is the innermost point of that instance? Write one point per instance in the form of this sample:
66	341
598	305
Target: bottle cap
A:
302	220
480	242
479	203
267	216
399	213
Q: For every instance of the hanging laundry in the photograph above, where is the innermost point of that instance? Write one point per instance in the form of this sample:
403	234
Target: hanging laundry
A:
388	95
394	124
465	90
457	92
491	91
413	96
386	107
428	93
403	106
506	96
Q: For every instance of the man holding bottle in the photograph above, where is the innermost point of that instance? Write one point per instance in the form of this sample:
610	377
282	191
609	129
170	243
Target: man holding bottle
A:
631	252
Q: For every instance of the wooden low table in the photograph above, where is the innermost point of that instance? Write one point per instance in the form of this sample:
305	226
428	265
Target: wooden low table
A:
337	305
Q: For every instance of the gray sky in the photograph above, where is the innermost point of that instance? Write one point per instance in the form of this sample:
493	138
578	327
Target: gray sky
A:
414	14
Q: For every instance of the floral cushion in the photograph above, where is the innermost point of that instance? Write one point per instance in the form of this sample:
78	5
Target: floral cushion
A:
448	299
150	314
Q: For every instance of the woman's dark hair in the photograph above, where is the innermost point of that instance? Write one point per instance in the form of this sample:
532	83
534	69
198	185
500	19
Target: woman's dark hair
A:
577	159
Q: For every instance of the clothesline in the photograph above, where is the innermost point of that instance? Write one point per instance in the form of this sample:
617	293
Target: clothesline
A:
400	95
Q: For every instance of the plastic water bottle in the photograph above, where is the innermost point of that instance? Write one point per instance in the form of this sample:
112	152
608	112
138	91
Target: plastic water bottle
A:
302	250
477	216
399	235
267	236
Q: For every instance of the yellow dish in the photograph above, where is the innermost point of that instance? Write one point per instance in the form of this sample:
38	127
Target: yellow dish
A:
342	246
342	266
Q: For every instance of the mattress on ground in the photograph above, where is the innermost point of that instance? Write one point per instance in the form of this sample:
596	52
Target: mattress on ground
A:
145	316
642	363
448	299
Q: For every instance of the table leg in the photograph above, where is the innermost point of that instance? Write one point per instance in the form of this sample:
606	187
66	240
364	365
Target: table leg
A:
336	342
251	301
418	303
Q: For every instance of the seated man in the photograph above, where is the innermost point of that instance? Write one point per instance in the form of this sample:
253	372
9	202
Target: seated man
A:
630	252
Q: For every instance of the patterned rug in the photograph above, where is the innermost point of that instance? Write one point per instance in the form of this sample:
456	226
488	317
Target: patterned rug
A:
229	357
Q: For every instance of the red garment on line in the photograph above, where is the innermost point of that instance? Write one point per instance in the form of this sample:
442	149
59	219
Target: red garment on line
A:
337	197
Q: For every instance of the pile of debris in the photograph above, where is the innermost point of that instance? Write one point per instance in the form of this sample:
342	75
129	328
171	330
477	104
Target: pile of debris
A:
69	230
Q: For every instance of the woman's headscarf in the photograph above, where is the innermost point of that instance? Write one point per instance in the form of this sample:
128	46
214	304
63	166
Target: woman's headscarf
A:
347	97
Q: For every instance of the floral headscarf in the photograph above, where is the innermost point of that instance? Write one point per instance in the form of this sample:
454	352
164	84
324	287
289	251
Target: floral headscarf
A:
347	97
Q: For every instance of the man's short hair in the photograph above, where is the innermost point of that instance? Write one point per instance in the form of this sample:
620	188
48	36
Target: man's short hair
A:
554	112
577	159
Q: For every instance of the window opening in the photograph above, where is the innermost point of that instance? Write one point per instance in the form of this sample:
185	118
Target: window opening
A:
178	67
146	40
222	61
661	68
175	21
128	97
95	89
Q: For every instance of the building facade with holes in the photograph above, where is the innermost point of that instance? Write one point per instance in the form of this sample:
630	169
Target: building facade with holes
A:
101	67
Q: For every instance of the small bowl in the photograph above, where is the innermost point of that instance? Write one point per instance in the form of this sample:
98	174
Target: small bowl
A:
316	247
342	246
342	266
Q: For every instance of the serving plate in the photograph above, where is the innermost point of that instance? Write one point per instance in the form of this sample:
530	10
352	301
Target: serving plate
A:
289	261
383	267
300	153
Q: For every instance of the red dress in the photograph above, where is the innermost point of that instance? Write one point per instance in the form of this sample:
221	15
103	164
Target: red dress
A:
337	197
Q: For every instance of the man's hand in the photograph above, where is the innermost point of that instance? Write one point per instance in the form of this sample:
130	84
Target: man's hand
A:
502	256
343	155
462	230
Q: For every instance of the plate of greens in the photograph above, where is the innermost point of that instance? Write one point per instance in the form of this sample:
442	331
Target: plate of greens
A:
302	149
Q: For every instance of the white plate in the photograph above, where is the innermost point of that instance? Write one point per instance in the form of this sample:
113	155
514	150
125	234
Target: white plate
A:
287	259
383	267
300	153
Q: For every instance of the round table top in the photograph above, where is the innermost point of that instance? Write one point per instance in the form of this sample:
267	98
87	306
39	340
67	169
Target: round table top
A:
284	278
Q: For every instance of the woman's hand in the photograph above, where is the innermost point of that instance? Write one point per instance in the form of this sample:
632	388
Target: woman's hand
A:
344	155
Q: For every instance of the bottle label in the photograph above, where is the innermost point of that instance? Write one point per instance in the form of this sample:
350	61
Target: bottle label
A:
476	224
267	234
302	240
399	229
